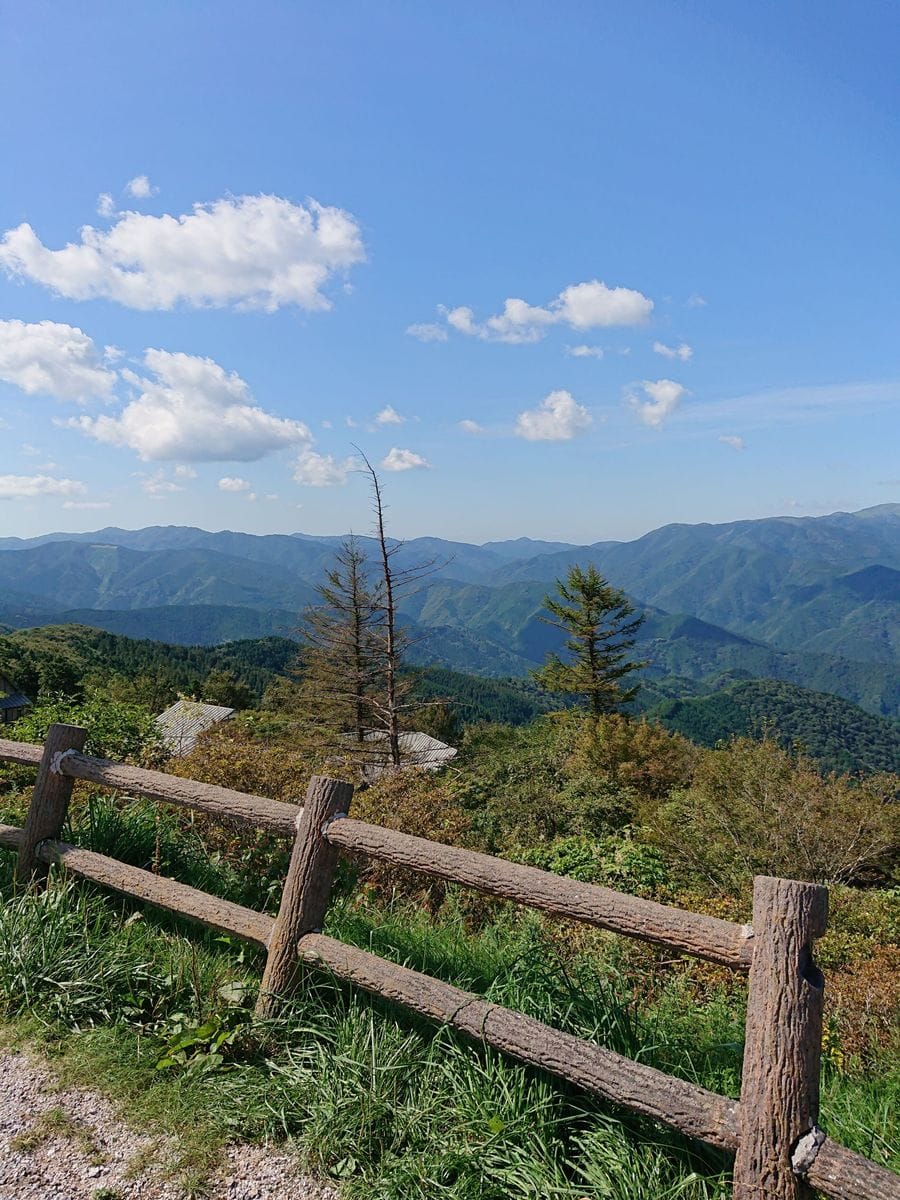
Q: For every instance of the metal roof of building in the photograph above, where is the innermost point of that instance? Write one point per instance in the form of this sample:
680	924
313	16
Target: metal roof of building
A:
182	723
14	700
416	750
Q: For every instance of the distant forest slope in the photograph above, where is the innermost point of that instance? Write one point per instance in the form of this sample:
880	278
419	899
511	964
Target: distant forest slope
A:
838	734
69	658
65	658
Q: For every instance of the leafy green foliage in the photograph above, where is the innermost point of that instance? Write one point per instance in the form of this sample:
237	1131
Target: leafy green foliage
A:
840	736
73	660
115	729
754	809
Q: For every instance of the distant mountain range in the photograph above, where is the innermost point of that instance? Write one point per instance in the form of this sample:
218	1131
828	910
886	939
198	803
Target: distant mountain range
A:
810	601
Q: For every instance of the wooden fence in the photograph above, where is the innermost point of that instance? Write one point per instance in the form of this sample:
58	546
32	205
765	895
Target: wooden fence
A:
779	1150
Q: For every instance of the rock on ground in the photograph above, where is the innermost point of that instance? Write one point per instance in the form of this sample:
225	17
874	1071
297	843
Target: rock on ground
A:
72	1145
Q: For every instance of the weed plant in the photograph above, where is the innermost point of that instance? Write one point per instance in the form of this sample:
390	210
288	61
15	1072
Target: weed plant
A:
160	1016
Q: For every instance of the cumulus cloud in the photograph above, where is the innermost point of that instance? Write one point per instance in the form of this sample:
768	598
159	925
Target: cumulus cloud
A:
655	401
233	483
322	470
140	188
402	460
682	352
468	426
26	487
589	305
427	332
558	418
696	301
389	416
106	206
584	351
246	252
54	360
158	486
192	409
732	440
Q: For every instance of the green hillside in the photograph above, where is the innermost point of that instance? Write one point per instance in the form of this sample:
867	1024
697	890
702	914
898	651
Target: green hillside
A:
69	658
838	734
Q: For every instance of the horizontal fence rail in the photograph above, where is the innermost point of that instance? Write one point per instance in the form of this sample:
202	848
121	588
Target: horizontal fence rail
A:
780	1152
243	923
704	937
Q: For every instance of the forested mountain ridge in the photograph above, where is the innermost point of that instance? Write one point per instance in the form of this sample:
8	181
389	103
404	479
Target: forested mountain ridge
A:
812	601
839	735
71	659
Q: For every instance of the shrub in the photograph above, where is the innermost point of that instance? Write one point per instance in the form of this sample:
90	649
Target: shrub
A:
754	808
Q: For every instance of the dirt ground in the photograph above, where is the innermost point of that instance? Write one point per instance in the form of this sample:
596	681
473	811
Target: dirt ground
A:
71	1144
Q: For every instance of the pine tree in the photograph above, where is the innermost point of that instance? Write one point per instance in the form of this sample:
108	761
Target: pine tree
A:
601	626
340	659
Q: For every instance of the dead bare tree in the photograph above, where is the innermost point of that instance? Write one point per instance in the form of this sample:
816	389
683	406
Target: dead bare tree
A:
395	698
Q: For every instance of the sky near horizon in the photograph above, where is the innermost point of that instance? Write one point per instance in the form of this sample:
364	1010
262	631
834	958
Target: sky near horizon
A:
566	272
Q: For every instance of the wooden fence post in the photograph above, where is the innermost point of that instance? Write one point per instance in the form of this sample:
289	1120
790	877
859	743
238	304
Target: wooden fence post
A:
307	888
49	800
783	1043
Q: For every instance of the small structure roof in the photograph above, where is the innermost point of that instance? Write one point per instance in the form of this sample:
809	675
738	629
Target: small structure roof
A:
183	722
416	750
14	700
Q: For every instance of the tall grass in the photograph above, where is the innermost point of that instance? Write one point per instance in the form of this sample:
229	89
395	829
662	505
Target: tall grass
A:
367	1093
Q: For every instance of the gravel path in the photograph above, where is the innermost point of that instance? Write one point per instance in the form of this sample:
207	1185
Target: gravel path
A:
69	1145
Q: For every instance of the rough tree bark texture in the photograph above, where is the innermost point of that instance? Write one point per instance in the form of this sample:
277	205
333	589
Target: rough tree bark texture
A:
306	888
20	752
692	1109
840	1172
49	800
707	937
783	1044
240	808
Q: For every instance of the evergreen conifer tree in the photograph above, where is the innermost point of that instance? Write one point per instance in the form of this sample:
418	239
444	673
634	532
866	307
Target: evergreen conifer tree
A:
601	625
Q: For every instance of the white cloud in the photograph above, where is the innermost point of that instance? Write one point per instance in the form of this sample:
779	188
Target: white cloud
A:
54	360
193	410
322	470
232	483
584	351
682	352
106	206
389	416
140	188
732	440
696	301
25	487
86	504
249	252
183	471
402	460
558	418
468	426
662	398
427	332
589	305
158	486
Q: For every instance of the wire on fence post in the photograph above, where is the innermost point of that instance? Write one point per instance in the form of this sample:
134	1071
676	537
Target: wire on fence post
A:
307	888
783	1042
49	800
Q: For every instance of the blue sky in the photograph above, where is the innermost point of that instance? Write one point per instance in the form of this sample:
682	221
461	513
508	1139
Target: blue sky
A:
570	272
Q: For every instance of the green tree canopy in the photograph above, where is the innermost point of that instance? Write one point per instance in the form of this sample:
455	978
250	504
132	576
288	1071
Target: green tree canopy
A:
601	625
